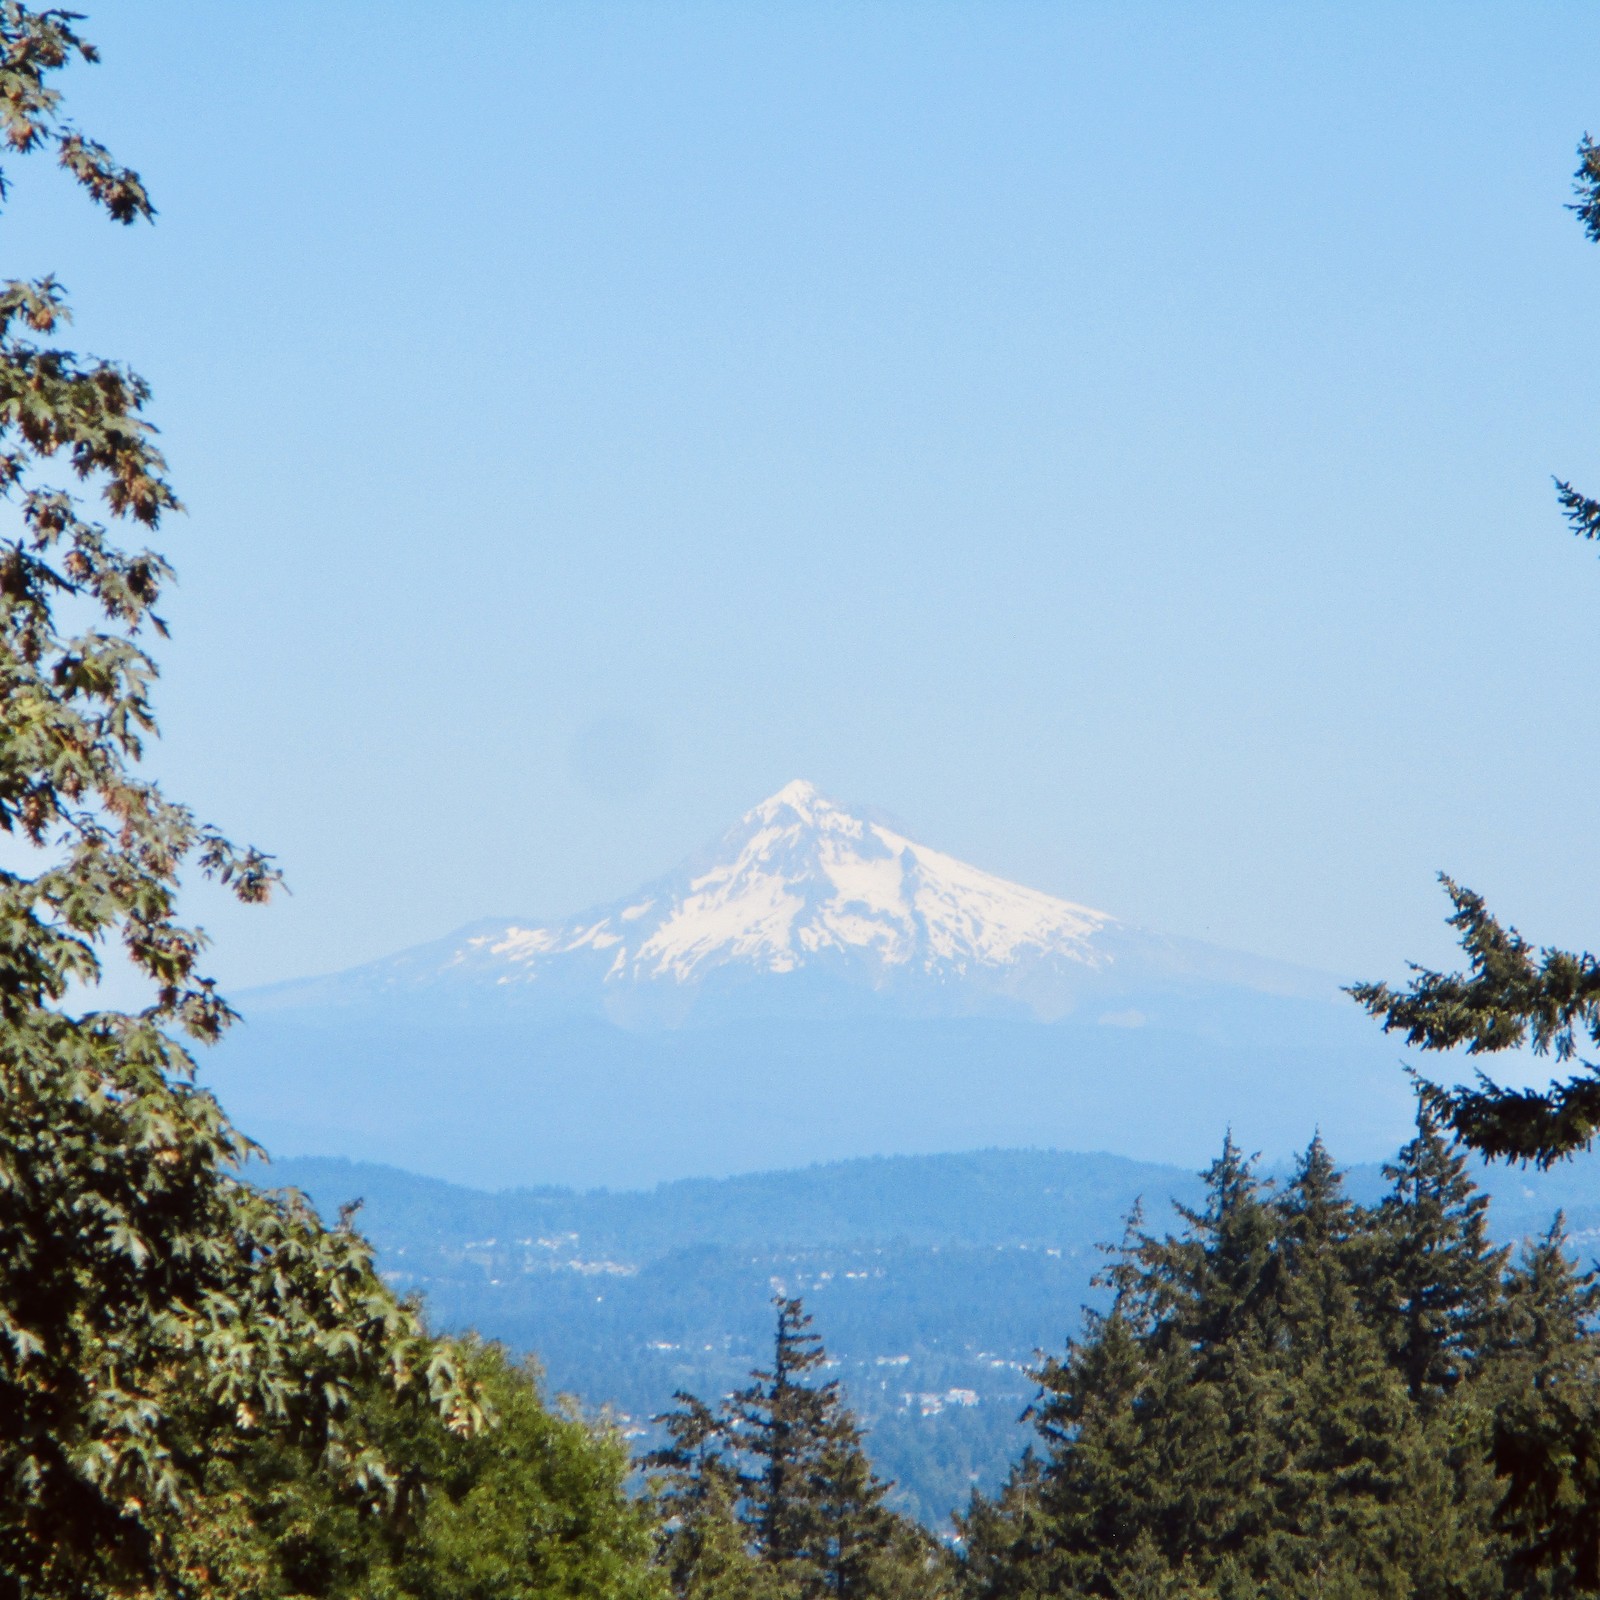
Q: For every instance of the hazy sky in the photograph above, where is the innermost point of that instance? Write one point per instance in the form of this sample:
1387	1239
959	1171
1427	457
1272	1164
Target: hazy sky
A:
1114	440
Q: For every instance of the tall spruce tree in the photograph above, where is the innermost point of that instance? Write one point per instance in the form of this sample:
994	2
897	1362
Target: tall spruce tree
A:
814	1505
1103	1484
155	1312
782	1422
1214	1280
1152	1426
855	1532
1436	1276
1211	1295
787	1453
1366	1492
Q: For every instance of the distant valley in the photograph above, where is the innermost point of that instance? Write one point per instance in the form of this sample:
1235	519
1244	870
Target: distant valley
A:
933	1279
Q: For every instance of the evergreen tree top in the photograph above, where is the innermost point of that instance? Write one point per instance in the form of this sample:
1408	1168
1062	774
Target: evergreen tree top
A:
1313	1202
786	1457
1213	1275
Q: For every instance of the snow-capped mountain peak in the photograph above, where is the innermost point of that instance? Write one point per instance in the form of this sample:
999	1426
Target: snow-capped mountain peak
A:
807	908
800	798
815	984
801	882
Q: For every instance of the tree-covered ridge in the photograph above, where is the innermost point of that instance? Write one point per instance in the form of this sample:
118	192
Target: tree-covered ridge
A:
1289	1394
1297	1395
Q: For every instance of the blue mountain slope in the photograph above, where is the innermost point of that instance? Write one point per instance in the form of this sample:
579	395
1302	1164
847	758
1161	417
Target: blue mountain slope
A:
814	987
587	1103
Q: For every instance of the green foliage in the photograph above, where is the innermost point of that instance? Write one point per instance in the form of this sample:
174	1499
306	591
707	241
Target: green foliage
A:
534	1506
773	1493
1297	1395
157	1316
1433	1279
1546	1442
1510	994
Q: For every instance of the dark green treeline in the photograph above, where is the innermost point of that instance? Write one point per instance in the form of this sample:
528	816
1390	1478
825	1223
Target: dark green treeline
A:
1298	1396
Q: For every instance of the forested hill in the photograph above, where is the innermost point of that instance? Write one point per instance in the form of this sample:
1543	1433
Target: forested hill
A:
986	1197
933	1279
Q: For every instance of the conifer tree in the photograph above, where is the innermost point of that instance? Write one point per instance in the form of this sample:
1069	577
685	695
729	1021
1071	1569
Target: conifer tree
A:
1320	1222
1211	1294
786	1455
1105	1483
1545	1388
1436	1277
1215	1279
814	1506
854	1530
1510	993
1153	1425
782	1422
1365	1490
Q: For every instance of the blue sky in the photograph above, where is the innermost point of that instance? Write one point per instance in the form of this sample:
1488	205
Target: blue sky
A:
1114	440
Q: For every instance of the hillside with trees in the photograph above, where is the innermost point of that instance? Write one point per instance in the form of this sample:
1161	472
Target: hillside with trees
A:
936	1279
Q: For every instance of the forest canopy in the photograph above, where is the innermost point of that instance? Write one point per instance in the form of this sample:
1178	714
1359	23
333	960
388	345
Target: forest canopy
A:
1296	1395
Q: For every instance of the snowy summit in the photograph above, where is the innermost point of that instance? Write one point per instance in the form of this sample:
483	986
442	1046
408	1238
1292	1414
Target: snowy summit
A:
799	880
806	908
802	905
